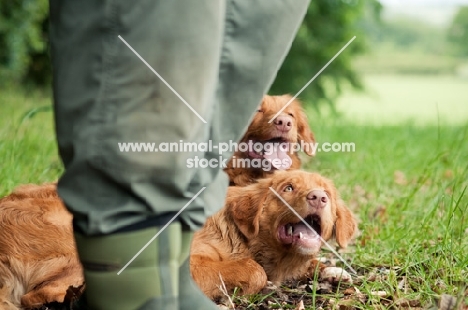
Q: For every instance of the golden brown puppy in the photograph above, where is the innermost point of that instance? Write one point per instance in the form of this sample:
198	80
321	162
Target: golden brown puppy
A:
274	141
256	236
38	259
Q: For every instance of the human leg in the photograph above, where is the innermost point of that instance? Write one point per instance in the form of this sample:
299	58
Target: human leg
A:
105	95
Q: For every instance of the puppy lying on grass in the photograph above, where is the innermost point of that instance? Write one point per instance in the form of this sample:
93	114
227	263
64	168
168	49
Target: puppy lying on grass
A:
256	237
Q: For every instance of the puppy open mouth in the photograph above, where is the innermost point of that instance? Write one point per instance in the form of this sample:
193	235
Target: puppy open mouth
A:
300	235
275	150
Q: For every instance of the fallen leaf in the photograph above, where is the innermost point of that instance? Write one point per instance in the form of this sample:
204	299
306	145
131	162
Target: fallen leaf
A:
403	285
447	302
300	306
349	291
323	287
372	277
405	303
379	294
346	304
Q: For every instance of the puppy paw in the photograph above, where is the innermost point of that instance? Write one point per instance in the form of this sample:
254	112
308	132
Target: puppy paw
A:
335	275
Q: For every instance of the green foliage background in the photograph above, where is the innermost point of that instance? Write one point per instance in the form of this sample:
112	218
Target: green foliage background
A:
23	38
458	32
329	25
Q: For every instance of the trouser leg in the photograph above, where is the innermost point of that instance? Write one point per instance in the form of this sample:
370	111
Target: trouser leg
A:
105	95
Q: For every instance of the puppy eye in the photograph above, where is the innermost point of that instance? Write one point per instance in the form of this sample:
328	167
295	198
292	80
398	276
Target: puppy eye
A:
261	111
290	114
288	188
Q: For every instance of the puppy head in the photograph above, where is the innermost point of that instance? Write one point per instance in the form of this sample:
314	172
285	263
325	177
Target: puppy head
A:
260	214
290	126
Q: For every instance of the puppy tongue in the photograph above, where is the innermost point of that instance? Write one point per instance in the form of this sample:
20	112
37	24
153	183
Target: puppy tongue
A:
278	156
299	234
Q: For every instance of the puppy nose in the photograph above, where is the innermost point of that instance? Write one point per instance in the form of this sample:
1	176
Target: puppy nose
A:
283	123
317	199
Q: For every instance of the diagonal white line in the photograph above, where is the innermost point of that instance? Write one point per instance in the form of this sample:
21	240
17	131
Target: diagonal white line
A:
305	223
160	231
312	79
163	80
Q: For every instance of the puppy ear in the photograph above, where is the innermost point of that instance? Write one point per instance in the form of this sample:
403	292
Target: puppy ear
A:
345	225
245	205
304	134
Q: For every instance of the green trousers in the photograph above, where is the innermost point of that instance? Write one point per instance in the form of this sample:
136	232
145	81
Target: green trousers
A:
219	56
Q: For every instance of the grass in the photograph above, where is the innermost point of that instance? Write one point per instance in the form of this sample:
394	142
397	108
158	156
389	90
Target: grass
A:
406	183
398	99
390	59
28	152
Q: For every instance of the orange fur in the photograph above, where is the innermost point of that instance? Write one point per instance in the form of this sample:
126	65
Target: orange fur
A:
241	245
38	260
261	130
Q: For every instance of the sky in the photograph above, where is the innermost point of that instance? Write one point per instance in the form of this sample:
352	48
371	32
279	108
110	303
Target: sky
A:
424	2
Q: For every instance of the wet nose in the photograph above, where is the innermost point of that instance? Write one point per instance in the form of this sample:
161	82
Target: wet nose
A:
283	123
317	198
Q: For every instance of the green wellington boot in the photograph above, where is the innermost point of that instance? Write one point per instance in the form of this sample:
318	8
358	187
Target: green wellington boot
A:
190	296
150	282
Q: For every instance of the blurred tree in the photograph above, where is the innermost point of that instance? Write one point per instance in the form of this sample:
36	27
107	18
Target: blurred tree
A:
410	33
328	26
23	38
458	31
